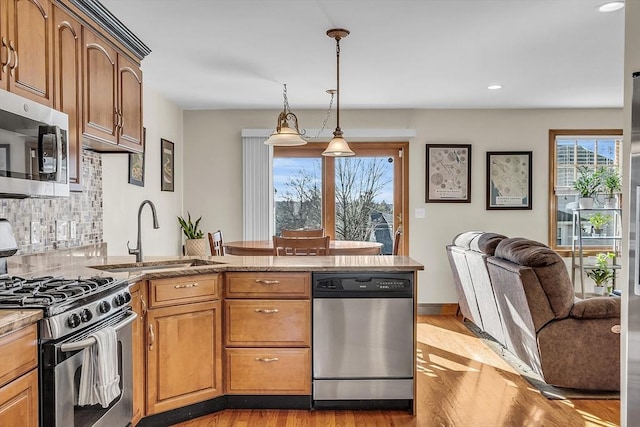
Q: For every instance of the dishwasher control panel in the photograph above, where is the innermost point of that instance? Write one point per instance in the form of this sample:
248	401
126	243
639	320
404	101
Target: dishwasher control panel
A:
339	284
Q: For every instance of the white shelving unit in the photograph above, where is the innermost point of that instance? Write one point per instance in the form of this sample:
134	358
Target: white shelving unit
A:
609	241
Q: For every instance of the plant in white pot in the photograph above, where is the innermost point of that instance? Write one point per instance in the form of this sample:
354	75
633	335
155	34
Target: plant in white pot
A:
612	185
587	184
602	273
196	243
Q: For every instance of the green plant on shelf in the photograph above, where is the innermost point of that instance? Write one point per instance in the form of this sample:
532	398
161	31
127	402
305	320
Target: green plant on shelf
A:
602	272
588	182
599	221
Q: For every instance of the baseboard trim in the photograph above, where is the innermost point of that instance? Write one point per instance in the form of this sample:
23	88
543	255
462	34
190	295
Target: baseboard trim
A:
429	309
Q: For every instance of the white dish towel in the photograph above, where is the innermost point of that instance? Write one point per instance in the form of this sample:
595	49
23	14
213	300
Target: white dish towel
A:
99	379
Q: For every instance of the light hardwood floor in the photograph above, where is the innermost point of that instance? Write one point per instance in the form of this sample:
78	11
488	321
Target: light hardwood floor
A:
461	382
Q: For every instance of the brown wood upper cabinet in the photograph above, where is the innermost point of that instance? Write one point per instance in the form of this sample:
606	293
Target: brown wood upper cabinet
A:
26	49
67	63
112	107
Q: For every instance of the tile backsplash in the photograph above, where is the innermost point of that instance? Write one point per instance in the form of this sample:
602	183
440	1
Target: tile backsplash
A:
77	217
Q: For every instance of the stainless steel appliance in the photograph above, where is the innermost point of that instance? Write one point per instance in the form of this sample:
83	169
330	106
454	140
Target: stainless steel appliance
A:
633	300
72	310
33	148
363	339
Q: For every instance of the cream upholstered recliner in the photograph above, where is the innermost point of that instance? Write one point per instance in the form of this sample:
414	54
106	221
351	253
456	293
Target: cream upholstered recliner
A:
468	257
570	342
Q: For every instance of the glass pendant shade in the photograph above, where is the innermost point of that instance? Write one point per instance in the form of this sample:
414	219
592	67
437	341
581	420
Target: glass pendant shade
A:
284	135
338	147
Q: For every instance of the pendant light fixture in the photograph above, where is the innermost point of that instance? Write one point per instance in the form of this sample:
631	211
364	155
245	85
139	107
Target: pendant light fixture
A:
338	146
284	134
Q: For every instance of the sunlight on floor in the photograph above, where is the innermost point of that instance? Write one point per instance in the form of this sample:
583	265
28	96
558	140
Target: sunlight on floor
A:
461	344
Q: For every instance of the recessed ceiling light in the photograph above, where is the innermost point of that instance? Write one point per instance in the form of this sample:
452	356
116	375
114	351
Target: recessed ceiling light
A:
612	6
494	87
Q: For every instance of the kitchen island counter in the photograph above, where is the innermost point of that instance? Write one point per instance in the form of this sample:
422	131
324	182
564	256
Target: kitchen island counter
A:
74	265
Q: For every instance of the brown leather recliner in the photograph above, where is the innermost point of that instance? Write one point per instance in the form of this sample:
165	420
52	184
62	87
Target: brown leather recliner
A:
570	342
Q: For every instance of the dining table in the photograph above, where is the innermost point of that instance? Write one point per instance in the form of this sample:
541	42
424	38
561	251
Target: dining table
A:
336	247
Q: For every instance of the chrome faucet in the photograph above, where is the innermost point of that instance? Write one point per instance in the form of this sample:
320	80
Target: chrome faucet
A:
138	250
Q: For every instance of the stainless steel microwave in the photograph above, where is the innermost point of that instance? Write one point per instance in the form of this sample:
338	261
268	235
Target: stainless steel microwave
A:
33	149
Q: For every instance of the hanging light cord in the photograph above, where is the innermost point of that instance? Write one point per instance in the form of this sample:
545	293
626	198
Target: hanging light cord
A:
326	119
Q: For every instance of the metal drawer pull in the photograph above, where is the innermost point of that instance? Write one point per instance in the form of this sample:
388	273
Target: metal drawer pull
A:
189	285
267	359
267	310
268	282
88	342
9	54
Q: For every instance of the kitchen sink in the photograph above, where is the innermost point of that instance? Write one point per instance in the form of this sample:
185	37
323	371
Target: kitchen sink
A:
155	265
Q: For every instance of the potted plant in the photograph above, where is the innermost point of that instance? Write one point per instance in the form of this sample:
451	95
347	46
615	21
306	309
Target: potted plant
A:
196	244
587	185
602	272
612	185
599	221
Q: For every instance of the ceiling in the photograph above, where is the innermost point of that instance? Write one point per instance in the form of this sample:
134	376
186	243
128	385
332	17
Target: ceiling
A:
236	54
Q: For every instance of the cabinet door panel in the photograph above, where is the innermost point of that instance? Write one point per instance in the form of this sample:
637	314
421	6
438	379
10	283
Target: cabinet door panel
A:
184	358
68	99
130	96
30	32
253	323
19	401
18	353
100	80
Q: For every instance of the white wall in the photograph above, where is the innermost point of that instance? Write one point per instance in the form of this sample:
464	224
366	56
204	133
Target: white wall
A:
121	200
213	178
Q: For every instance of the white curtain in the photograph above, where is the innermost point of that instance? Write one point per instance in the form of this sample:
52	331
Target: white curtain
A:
257	187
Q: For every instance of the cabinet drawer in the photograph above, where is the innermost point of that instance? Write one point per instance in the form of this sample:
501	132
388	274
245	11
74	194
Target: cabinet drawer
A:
264	285
268	371
271	323
18	353
185	289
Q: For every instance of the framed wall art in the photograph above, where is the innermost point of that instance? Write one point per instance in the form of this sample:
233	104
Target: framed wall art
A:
166	168
136	164
509	179
448	173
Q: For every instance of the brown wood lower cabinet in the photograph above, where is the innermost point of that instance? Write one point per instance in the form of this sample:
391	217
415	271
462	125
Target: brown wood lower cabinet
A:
19	378
19	401
267	333
184	355
268	371
139	305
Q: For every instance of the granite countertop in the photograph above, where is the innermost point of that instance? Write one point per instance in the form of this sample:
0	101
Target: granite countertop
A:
11	320
206	265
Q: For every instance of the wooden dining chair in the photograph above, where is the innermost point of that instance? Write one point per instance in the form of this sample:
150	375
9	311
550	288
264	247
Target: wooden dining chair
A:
396	240
300	245
216	244
316	232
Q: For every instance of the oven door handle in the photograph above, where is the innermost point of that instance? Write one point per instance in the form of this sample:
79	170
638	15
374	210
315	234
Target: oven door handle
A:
88	342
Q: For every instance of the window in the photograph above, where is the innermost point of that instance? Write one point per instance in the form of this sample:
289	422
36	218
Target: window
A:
352	198
570	150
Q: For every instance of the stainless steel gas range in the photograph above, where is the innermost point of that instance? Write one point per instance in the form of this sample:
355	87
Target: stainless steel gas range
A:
73	310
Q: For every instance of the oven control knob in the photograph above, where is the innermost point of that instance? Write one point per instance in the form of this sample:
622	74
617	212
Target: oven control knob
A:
127	297
74	320
86	315
118	300
104	307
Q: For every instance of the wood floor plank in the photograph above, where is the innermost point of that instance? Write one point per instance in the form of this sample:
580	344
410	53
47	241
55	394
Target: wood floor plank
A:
461	383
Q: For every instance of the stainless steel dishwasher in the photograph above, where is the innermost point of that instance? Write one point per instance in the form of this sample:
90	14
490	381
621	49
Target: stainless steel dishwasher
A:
363	339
